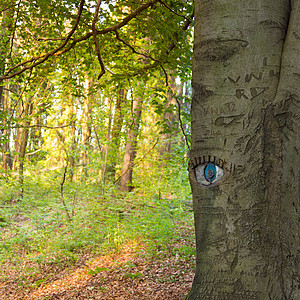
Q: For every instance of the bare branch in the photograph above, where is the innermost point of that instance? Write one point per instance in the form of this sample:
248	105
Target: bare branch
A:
41	126
169	49
181	124
7	8
50	39
62	193
132	48
166	75
174	12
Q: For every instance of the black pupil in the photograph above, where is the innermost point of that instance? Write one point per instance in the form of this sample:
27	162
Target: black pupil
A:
210	173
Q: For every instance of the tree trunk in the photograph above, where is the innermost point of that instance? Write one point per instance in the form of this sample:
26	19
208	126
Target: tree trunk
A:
71	113
7	162
169	117
106	146
244	165
113	147
22	147
130	149
7	23
86	124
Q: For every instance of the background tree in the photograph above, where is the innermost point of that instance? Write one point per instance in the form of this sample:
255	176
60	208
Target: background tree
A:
131	144
244	168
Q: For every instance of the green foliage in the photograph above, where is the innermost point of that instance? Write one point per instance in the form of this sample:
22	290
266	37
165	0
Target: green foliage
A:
133	275
66	201
37	230
97	270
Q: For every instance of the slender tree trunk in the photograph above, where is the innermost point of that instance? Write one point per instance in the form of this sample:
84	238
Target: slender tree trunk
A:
72	152
7	22
36	135
244	168
7	163
130	149
86	124
114	144
106	146
169	118
22	148
18	136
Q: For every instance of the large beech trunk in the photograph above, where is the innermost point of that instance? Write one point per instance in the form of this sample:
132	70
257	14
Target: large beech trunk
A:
245	122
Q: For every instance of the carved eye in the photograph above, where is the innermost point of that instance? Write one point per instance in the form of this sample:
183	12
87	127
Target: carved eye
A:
208	174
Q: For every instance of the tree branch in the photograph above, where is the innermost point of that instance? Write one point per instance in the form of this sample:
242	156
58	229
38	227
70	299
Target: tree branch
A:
47	55
181	124
96	42
41	126
132	48
62	49
185	26
174	12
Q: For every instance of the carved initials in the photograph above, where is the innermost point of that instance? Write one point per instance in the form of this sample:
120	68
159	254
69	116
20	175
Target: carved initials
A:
248	77
239	93
256	91
234	80
272	73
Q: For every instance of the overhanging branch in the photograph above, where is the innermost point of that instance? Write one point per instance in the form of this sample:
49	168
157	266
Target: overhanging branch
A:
96	42
44	57
63	49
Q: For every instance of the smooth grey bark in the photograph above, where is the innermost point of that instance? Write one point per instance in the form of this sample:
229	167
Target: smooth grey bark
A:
245	120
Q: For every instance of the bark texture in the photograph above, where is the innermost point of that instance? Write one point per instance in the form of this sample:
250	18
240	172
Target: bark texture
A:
245	119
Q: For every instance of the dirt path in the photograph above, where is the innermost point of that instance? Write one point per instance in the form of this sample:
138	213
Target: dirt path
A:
127	274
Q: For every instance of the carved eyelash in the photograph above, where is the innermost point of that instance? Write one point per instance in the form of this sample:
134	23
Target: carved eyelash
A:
206	159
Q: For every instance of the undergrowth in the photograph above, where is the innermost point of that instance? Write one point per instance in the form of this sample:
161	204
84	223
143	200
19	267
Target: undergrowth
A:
36	233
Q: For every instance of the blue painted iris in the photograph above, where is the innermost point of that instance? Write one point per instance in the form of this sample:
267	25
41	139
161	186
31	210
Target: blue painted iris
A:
208	173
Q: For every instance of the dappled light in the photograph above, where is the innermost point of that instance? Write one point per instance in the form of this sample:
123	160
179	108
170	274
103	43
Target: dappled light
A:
94	137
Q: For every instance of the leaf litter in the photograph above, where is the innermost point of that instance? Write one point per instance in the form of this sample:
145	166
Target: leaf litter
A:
129	273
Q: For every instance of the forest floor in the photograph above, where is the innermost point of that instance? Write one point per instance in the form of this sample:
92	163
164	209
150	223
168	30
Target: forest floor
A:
129	273
135	246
